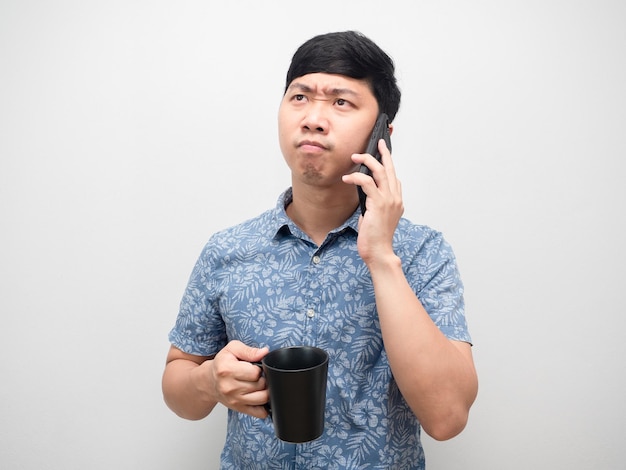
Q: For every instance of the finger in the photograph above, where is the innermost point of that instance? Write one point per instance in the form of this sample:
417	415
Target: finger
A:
251	402
244	352
249	372
364	159
256	411
382	147
226	367
386	159
258	398
235	392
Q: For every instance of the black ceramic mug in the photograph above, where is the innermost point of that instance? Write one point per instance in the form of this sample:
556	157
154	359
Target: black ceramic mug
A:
296	379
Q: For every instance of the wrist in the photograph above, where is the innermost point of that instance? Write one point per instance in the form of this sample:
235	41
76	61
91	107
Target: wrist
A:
383	263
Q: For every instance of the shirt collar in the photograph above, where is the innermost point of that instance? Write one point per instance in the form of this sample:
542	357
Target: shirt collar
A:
283	224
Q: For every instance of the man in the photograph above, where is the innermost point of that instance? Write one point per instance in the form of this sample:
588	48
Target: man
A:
381	295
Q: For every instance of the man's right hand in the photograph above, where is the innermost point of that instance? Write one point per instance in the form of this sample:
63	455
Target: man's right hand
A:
193	385
234	381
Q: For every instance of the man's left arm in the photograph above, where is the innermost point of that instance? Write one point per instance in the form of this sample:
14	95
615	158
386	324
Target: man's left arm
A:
435	374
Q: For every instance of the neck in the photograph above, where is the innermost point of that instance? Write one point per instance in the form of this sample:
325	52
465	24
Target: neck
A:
317	212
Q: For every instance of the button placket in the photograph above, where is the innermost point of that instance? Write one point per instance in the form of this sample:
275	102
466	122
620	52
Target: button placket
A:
315	285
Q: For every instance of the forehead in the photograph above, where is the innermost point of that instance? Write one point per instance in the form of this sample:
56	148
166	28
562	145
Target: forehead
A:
330	85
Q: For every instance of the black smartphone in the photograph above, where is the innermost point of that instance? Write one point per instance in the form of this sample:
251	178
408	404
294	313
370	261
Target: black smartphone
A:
380	131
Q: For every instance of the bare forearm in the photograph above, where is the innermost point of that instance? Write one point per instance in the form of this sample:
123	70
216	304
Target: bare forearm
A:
435	375
181	392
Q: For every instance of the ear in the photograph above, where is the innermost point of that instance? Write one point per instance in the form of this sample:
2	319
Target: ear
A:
390	129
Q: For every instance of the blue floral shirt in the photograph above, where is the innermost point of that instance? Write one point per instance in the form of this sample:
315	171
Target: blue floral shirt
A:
264	282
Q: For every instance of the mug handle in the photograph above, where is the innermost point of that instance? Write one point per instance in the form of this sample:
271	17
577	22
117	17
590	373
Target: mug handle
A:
267	405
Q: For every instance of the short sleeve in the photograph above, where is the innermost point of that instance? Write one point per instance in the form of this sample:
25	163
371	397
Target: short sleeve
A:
199	328
435	278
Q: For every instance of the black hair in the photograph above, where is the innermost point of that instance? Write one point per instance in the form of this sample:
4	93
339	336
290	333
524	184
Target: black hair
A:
354	55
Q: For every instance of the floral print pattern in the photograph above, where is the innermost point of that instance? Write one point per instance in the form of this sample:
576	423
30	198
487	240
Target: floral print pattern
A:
265	283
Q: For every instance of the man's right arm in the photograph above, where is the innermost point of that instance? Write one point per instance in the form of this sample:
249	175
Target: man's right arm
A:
193	385
182	384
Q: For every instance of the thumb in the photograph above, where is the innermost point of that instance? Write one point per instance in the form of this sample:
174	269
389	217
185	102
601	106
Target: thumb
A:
243	352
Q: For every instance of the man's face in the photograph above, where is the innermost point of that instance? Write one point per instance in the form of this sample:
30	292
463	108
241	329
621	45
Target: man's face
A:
323	119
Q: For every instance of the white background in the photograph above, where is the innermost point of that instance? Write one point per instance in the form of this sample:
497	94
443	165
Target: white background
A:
132	130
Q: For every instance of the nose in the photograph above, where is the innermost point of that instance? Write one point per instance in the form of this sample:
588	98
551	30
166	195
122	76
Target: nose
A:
315	119
318	128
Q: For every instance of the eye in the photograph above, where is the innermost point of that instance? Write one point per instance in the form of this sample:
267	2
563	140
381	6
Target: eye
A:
344	104
299	97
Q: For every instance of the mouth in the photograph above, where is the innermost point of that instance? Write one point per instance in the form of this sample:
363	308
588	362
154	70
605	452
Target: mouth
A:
311	146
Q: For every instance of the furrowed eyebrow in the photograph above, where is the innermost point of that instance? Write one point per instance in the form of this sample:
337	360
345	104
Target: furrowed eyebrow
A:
343	91
300	86
333	91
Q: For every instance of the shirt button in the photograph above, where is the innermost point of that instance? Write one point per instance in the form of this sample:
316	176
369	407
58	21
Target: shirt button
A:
310	313
316	259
